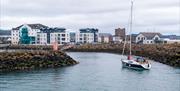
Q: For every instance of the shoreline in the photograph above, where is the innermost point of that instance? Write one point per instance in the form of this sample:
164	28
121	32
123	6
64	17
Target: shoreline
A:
166	54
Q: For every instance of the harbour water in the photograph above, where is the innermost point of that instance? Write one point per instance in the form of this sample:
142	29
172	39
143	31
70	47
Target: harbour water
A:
96	72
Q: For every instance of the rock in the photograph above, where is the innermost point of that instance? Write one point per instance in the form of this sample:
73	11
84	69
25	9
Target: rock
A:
23	60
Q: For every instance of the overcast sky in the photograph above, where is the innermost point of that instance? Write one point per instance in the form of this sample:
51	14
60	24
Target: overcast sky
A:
106	15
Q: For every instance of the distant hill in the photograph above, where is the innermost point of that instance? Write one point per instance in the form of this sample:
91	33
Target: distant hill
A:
5	32
171	36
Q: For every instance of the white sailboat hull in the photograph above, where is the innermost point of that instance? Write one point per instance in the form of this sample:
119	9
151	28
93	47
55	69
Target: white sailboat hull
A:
135	65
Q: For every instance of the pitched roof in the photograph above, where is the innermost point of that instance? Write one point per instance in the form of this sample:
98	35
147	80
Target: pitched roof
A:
133	37
33	26
150	35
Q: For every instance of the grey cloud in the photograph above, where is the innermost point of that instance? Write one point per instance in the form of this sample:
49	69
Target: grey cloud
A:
59	7
103	14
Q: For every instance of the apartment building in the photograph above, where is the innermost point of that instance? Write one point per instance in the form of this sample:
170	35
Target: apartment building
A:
26	33
52	35
87	35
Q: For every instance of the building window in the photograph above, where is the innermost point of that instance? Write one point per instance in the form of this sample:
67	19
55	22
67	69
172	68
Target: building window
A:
63	35
156	38
63	39
58	38
138	38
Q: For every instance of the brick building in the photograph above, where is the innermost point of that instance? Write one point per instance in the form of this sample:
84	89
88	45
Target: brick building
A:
120	32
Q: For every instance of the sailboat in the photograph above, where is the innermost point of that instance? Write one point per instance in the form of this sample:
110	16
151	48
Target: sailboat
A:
134	62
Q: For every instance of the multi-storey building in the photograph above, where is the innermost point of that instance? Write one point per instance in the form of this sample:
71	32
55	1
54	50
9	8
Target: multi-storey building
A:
52	35
60	37
15	36
84	37
88	35
41	38
26	33
72	37
121	33
43	35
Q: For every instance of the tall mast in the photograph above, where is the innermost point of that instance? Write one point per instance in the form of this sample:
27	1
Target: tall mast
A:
131	18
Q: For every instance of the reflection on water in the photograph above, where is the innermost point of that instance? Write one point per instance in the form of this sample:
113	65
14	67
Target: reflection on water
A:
96	72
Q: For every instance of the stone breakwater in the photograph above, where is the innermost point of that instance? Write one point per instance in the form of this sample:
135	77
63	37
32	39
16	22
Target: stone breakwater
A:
24	60
164	53
28	47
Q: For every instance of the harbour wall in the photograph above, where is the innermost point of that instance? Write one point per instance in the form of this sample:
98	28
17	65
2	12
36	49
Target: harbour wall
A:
164	53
